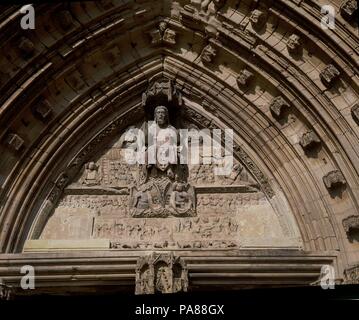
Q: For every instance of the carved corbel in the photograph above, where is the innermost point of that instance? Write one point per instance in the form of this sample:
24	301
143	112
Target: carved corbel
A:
163	35
42	109
294	44
26	47
329	75
351	225
14	141
349	9
258	19
309	140
208	53
244	78
334	179
277	106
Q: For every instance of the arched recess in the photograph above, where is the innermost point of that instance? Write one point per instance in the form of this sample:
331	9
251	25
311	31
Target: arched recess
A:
278	110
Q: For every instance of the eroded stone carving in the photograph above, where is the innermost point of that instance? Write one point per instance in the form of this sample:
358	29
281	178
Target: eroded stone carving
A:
163	273
355	113
244	78
165	90
334	179
60	184
163	35
258	19
26	47
5	291
14	141
294	44
309	140
64	19
351	275
329	75
42	109
349	9
277	106
351	223
208	53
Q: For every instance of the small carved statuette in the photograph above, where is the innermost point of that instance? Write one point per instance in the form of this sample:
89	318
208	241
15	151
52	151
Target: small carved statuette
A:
161	273
91	176
309	140
14	141
208	53
294	44
26	47
355	113
65	20
244	78
277	106
258	19
42	109
163	35
333	179
329	75
349	9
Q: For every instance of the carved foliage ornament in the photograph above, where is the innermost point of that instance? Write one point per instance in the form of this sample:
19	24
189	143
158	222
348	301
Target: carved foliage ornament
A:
351	223
333	179
164	90
163	273
309	140
277	106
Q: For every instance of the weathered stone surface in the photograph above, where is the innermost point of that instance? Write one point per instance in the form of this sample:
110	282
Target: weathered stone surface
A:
309	140
334	179
355	113
329	75
277	106
294	44
244	78
349	9
14	141
258	19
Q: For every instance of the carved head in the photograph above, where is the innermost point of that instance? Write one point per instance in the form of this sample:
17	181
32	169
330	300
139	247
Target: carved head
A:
161	116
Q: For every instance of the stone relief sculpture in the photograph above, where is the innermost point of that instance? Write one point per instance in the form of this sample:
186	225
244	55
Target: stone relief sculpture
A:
162	273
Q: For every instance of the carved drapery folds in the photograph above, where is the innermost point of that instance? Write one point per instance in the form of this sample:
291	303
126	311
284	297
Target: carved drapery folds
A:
334	179
161	273
329	75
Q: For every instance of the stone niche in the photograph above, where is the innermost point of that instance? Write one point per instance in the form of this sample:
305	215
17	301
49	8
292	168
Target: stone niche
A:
168	207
